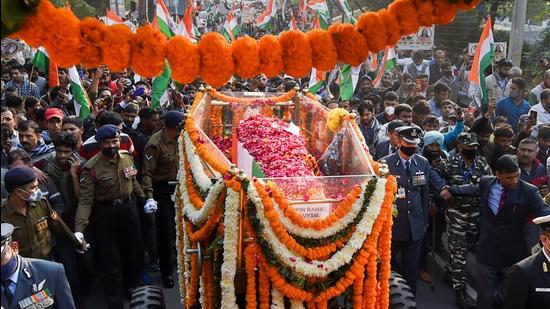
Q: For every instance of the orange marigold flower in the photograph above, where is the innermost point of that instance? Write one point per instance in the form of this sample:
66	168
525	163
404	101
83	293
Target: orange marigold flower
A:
323	50
406	14
372	27
271	56
351	45
444	12
117	47
63	43
392	27
92	32
296	53
33	28
216	60
184	59
246	57
424	10
148	52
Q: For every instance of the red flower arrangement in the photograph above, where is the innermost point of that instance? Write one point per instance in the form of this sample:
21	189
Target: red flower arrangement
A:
371	26
296	53
271	55
117	47
246	57
351	45
92	32
149	51
323	51
216	59
184	59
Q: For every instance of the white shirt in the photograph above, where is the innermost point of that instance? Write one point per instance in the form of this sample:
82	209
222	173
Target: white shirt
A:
543	116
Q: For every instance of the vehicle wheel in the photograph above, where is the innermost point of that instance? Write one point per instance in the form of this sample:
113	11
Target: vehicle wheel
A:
147	297
401	295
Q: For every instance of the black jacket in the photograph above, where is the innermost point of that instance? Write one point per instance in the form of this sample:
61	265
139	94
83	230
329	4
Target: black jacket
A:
527	284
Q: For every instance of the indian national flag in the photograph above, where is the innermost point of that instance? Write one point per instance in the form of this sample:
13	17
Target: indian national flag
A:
162	22
348	14
230	28
388	64
316	81
483	58
292	25
264	21
41	62
320	7
349	76
80	97
111	18
186	26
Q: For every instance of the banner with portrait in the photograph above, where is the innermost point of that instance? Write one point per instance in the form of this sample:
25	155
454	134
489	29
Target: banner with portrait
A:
421	40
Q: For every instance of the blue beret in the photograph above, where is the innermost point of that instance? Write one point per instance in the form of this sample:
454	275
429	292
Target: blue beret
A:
173	119
18	177
107	131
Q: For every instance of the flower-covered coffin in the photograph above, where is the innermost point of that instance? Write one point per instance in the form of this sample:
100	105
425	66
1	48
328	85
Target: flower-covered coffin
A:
273	205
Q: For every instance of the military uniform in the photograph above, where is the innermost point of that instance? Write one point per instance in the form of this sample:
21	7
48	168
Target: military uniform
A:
33	283
108	188
160	168
462	213
32	228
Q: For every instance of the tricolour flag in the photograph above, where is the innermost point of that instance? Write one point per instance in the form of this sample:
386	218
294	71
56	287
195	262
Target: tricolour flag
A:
349	76
80	97
264	21
42	63
230	29
388	64
111	18
186	26
320	7
316	81
160	83
292	25
483	58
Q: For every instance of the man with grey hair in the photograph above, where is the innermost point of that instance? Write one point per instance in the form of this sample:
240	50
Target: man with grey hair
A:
514	72
535	92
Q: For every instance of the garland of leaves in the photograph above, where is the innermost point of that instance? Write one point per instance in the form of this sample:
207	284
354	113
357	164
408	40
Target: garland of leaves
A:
91	43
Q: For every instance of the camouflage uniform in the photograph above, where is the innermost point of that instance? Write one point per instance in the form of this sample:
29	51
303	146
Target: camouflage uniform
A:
462	213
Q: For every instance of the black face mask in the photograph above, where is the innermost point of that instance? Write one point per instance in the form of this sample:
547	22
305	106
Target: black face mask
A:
482	143
432	155
110	151
408	151
469	153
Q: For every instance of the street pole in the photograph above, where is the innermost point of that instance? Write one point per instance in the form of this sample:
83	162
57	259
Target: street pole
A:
519	16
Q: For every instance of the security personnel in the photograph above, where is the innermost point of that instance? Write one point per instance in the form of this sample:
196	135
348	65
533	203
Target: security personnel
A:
160	167
108	189
528	282
462	213
31	283
32	215
413	178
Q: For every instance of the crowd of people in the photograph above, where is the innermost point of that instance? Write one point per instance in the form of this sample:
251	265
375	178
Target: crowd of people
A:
95	192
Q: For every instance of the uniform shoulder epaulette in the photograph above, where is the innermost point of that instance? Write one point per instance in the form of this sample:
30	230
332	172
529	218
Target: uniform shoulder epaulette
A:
154	140
123	152
92	162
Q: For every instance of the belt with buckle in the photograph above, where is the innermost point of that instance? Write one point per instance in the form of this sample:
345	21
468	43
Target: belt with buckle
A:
115	202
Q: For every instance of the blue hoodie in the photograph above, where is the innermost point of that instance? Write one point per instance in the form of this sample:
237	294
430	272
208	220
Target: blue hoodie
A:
40	151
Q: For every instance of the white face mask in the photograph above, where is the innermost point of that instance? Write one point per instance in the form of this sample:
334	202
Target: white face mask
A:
35	196
389	110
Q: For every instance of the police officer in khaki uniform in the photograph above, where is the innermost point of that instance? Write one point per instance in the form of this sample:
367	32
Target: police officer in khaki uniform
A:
32	215
108	192
160	167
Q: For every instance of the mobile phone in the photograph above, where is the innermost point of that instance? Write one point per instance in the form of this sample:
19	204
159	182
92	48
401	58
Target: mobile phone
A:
533	114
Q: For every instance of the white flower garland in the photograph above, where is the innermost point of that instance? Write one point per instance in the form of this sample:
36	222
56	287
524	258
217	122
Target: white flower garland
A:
296	304
230	244
328	231
200	216
277	299
340	258
201	178
201	291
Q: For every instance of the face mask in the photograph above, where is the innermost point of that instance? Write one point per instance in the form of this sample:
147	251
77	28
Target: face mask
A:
514	94
389	110
8	269
469	153
35	196
432	155
408	151
110	151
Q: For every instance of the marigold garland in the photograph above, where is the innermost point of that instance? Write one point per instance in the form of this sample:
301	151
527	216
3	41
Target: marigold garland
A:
406	13
263	287
358	289
250	265
148	52
444	12
216	59
117	47
209	227
424	11
250	101
296	53
194	281
271	55
92	32
372	27
63	43
184	59
246	57
323	50
32	29
393	31
351	45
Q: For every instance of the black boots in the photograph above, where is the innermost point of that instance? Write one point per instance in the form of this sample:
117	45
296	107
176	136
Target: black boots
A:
464	301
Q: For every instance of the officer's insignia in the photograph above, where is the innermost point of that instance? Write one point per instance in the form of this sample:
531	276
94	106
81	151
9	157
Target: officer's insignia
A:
414	132
38	287
544	267
54	215
130	171
41	224
42	299
148	157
